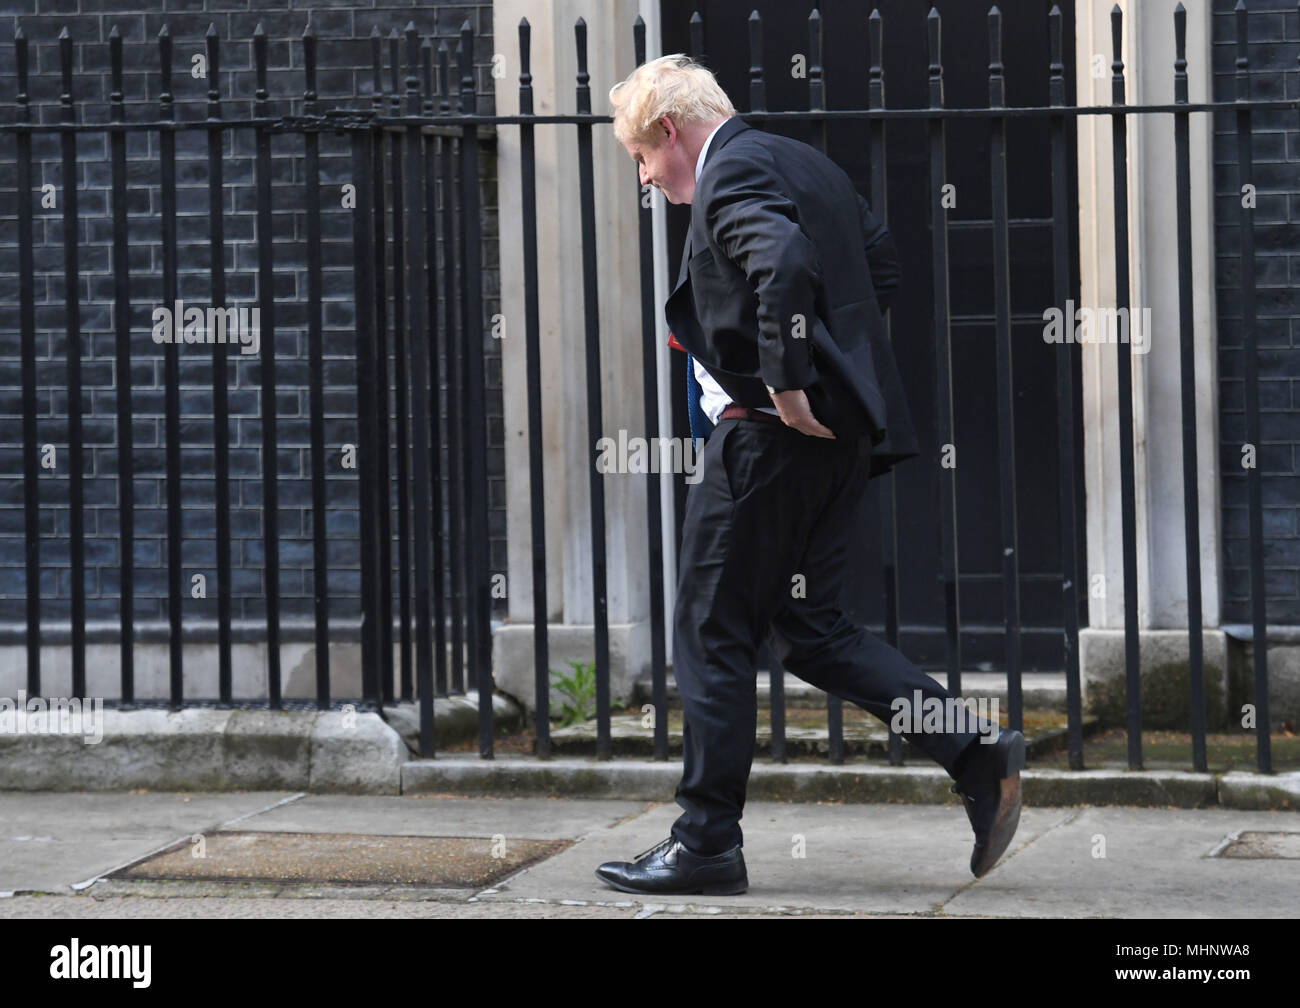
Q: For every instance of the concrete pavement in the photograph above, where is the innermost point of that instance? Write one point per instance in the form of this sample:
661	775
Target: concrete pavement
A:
811	858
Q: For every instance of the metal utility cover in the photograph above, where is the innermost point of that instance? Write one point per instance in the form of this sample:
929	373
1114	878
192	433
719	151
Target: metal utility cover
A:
1264	844
343	859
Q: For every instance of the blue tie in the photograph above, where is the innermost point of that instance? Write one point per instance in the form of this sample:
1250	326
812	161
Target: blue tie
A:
695	415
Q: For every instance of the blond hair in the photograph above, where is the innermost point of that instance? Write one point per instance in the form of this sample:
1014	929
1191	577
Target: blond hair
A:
675	86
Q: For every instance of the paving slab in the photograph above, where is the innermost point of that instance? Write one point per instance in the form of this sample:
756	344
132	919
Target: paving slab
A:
1112	862
342	859
849	858
816	858
124	908
426	815
50	841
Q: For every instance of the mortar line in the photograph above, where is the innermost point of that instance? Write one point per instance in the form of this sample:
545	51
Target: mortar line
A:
256	812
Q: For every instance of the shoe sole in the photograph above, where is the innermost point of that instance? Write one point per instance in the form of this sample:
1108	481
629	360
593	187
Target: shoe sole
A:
1011	760
717	889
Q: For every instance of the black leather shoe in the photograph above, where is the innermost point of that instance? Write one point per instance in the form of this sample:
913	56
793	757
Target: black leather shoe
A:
670	868
989	786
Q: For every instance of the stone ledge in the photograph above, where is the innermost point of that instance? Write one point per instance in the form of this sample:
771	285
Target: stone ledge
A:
1241	790
455	719
647	780
204	749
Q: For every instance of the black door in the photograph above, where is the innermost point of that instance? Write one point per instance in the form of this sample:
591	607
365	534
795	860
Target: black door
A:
965	64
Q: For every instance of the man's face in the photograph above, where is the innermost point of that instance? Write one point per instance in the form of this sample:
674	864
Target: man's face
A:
668	166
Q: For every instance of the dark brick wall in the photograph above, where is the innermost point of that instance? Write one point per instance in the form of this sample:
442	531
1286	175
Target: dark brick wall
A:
344	72
1274	44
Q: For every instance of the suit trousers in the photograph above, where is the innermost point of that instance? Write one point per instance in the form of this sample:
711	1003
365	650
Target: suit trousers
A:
763	557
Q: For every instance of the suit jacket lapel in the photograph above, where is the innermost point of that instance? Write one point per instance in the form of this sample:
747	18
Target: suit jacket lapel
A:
725	132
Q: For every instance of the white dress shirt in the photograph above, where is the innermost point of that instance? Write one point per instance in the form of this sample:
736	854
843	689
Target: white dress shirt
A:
713	400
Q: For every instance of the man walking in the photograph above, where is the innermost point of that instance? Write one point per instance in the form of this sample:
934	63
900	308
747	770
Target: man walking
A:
784	278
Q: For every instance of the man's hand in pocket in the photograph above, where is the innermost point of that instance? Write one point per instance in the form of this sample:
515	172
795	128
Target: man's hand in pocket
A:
792	405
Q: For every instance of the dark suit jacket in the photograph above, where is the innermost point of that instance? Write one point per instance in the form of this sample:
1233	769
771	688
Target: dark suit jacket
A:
784	279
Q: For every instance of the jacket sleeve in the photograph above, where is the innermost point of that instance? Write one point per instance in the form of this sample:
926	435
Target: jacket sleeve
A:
882	256
756	225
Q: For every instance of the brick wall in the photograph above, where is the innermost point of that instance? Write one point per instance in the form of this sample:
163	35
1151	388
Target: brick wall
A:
1274	37
344	72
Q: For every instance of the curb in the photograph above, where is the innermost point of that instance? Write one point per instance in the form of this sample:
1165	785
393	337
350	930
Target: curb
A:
645	780
237	749
455	719
349	752
205	749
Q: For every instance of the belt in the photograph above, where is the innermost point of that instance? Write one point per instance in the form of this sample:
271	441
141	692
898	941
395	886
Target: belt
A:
748	413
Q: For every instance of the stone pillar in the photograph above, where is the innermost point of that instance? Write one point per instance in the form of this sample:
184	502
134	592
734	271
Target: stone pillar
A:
1153	283
567	444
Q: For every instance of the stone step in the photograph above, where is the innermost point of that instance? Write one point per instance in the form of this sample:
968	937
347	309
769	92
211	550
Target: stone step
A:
805	735
1039	690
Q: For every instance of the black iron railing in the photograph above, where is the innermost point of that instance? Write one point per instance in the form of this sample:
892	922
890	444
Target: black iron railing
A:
416	234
